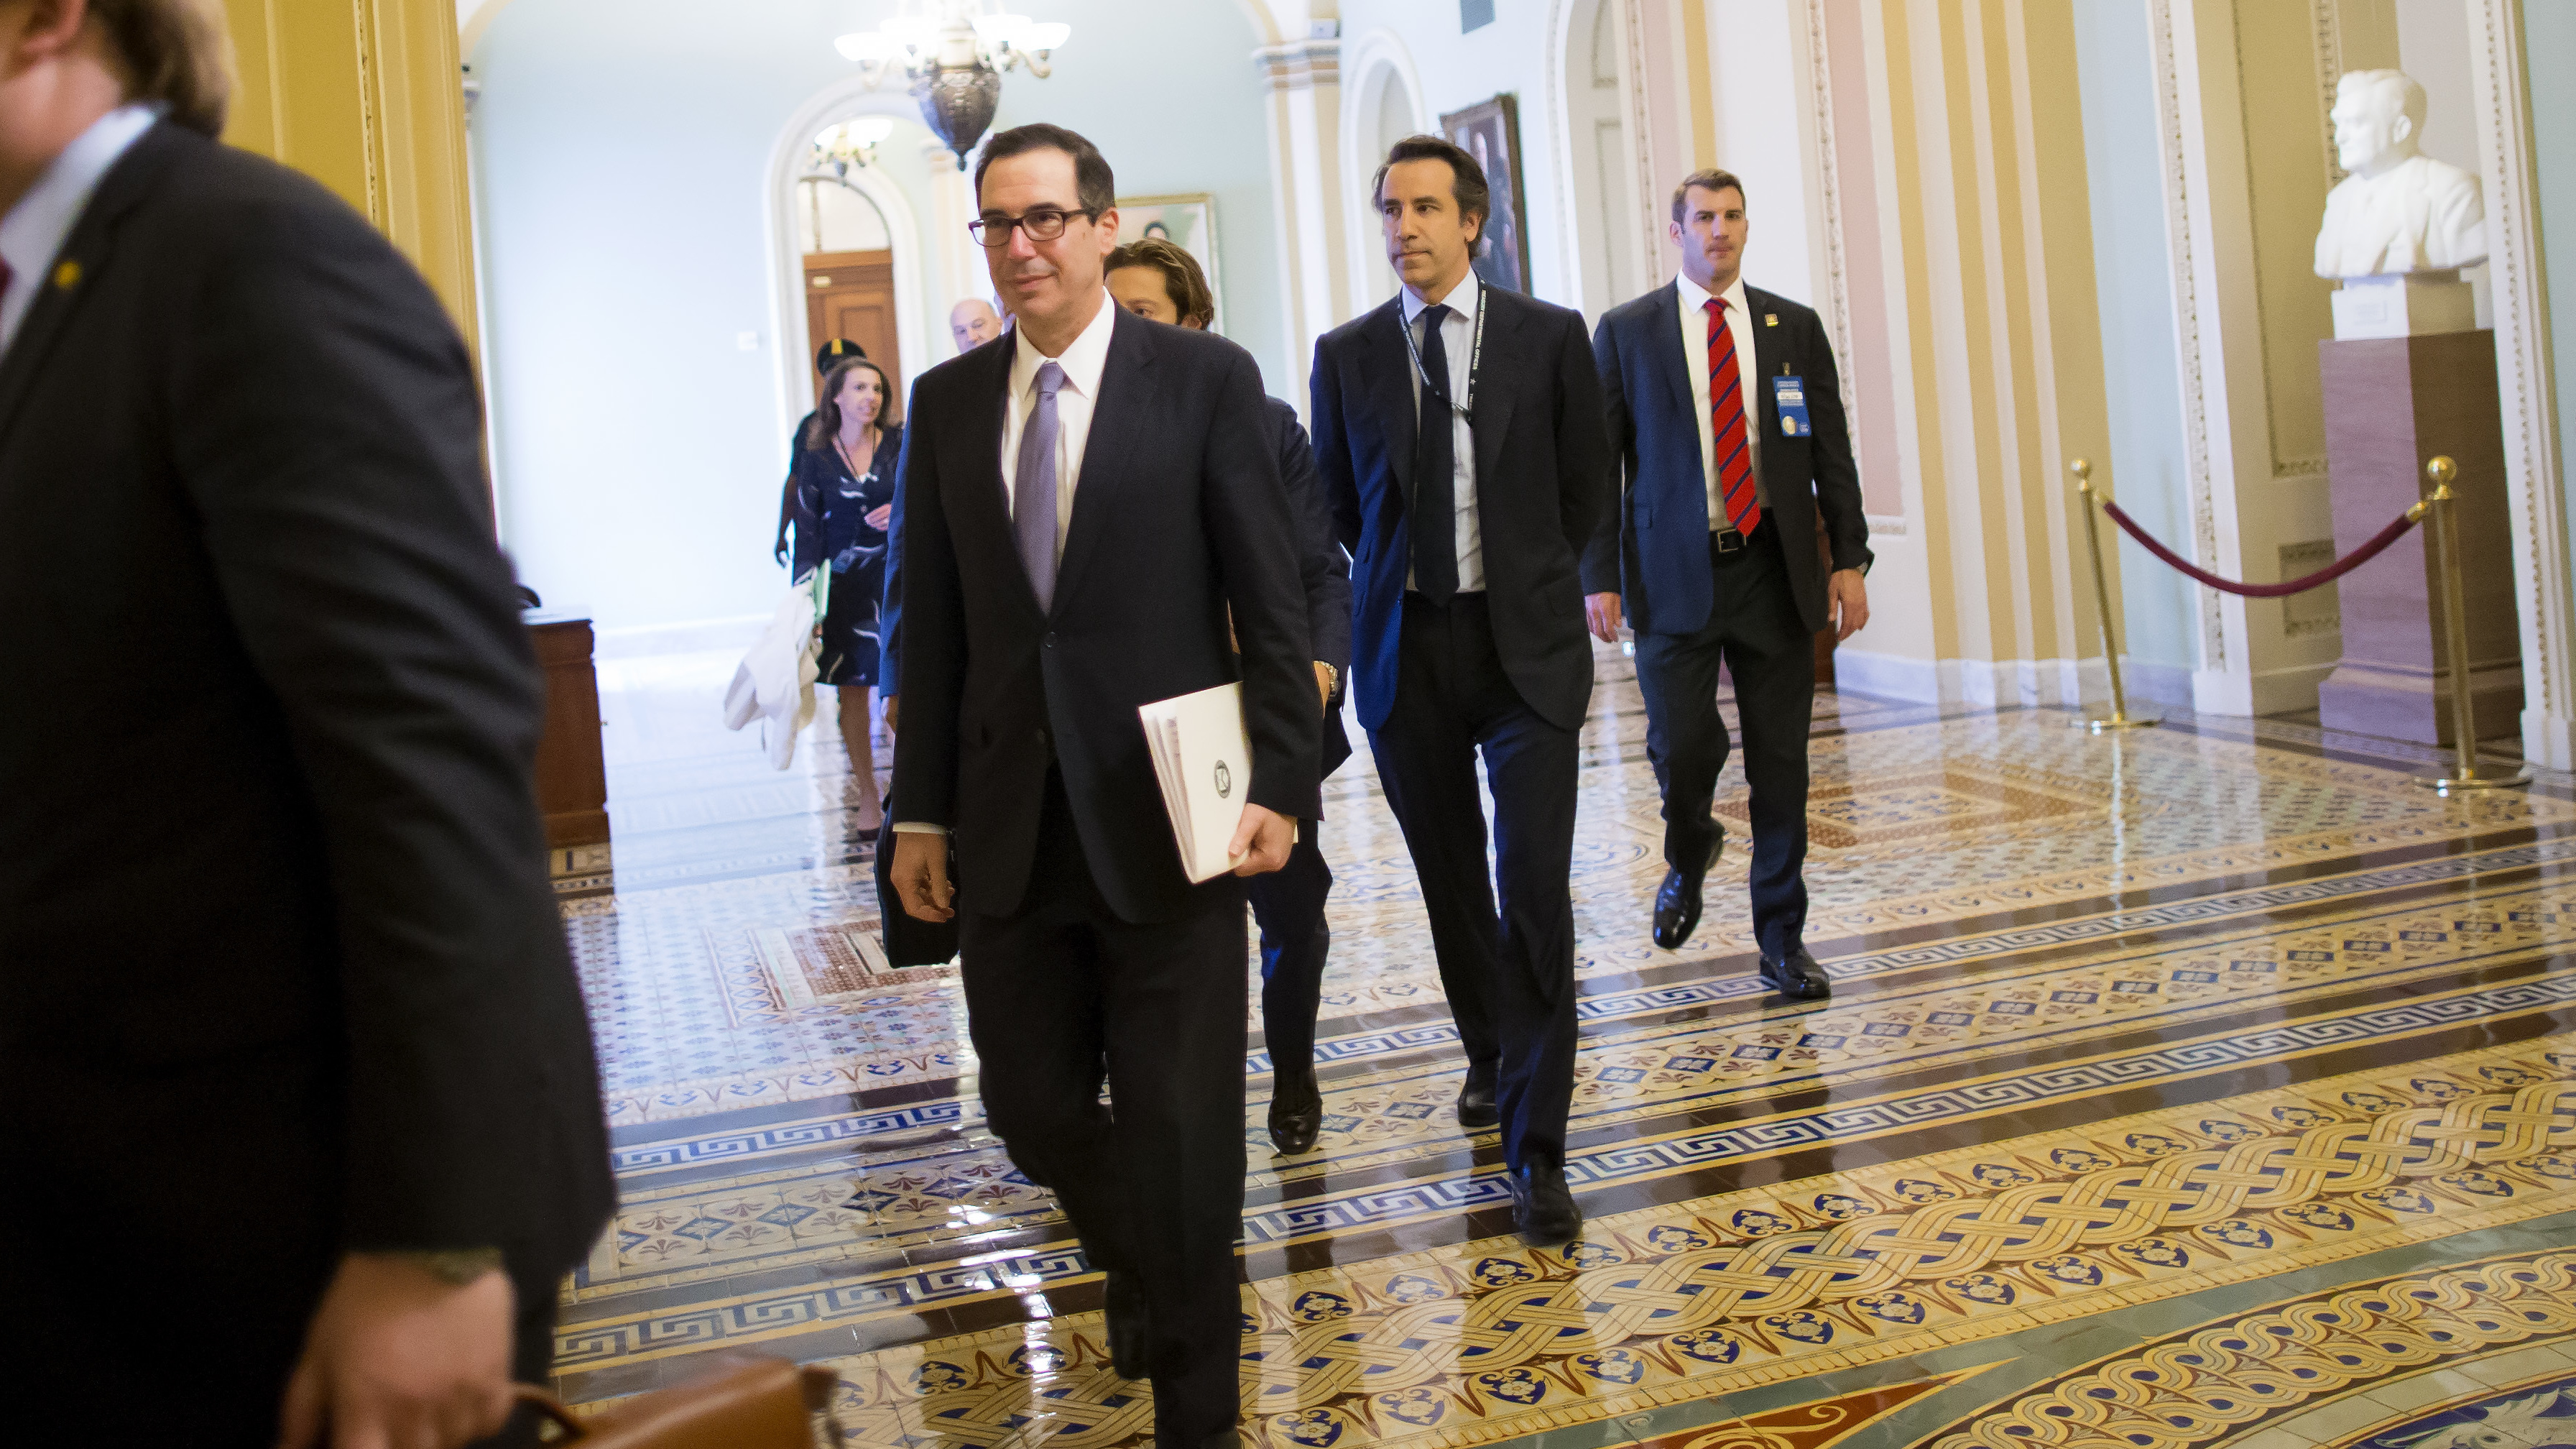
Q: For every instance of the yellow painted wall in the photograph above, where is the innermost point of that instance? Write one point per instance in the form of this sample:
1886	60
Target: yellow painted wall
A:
366	97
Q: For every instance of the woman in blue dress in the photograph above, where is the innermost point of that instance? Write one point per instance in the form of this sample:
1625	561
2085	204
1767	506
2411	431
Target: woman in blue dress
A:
839	494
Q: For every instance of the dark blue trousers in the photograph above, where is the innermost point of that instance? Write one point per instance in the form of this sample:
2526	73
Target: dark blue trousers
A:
1288	905
1755	631
1508	969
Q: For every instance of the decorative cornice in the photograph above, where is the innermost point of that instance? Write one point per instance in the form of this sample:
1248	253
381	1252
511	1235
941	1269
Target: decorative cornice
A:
1301	64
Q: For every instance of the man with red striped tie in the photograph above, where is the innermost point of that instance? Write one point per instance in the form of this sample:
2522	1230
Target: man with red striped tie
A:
1725	409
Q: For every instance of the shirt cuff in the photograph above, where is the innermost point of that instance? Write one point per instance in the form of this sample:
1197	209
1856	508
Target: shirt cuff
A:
918	827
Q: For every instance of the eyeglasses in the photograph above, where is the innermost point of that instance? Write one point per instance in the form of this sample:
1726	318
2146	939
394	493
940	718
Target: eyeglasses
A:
1043	223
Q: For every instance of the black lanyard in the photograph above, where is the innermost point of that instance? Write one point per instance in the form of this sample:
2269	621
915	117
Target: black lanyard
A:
1475	355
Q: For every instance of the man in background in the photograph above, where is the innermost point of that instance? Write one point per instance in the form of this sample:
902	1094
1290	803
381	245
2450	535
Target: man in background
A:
285	1007
1160	281
1086	505
972	323
1715	541
1458	431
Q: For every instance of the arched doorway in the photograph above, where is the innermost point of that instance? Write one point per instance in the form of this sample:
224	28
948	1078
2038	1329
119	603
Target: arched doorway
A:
1384	107
849	269
1598	139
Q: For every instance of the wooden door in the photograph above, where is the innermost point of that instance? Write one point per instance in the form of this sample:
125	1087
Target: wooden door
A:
851	294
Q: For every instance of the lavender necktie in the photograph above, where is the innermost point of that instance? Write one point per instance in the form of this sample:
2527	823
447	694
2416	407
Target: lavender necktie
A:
1033	489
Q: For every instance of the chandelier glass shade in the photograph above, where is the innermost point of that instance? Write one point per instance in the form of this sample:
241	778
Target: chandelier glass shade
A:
851	144
954	53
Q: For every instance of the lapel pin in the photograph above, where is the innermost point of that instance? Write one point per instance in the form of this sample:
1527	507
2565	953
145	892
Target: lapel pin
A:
1770	319
67	275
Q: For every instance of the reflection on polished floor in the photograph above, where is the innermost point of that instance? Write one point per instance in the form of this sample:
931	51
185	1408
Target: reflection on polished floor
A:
2210	1085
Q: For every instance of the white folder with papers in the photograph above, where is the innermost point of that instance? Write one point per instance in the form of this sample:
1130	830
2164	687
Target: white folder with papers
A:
1204	762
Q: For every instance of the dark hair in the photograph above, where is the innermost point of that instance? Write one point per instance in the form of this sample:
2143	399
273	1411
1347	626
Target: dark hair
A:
1707	178
1466	178
1182	280
826	422
178	53
1094	189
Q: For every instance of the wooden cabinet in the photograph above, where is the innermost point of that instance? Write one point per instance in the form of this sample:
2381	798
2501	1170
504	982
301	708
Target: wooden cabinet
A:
572	779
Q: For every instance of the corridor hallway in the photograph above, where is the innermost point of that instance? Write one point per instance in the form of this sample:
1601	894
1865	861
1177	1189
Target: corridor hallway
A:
2212	1084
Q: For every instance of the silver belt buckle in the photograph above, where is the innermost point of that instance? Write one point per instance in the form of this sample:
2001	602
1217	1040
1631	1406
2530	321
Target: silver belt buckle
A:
1728	540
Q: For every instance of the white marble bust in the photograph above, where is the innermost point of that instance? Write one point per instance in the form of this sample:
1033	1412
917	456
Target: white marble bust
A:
2400	210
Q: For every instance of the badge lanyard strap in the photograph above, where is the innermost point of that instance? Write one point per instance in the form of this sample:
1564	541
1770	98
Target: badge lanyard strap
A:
1475	356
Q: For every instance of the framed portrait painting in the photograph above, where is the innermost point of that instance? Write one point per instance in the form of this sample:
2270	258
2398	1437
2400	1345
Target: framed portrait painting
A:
1188	222
1490	131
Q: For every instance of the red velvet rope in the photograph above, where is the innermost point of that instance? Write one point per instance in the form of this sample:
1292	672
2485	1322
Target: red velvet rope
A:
2331	572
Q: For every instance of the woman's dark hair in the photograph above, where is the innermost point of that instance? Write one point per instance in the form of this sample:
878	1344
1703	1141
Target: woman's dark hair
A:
1095	190
1182	280
1466	179
826	422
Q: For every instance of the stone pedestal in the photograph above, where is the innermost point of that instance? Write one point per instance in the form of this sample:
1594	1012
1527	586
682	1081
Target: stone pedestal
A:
2403	305
2391	405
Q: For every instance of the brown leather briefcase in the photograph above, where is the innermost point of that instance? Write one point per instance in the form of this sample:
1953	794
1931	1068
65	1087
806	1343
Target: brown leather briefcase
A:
766	1405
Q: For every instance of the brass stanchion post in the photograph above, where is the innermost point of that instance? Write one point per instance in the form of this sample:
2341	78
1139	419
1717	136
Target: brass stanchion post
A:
2119	720
2455	633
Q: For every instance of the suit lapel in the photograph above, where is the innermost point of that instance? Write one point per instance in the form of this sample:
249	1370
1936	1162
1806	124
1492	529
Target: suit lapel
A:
1388	370
1770	355
1493	415
1671	348
77	269
1117	424
980	503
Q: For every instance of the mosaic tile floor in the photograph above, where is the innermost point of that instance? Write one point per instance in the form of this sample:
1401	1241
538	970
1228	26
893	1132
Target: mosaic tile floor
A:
2213	1085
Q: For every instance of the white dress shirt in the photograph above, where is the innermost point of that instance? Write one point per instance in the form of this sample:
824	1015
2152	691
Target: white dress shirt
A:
1739	320
1458	335
1083	361
34	229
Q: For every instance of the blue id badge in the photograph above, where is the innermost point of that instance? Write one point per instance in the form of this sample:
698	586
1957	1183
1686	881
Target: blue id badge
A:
1790	393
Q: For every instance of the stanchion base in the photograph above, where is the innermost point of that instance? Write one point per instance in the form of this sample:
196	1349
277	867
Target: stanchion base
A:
2445	783
2117	723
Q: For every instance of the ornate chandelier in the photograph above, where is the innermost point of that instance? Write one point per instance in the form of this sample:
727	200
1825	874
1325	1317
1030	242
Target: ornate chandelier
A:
853	143
954	53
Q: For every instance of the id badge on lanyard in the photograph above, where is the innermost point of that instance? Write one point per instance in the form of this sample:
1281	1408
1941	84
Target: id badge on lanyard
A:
1789	396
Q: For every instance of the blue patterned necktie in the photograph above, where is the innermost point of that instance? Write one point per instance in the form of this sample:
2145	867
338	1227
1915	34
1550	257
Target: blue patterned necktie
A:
1435	471
1033	489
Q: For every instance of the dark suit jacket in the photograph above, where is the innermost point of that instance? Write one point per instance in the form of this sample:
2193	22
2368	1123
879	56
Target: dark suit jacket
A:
1656	541
1542	484
1325	567
270	859
1178	515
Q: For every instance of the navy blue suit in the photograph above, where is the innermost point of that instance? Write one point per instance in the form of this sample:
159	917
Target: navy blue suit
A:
1757	610
1505	671
1288	903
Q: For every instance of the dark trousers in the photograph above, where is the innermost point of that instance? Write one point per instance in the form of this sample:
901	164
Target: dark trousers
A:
1754	629
1153	1181
1509	974
1288	905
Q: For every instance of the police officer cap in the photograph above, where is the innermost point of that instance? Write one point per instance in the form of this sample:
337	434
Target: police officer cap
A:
839	349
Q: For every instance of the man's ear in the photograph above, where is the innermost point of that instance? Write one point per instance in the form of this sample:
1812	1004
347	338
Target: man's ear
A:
2404	128
49	29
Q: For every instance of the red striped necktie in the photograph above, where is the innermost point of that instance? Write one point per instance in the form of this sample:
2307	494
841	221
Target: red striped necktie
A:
1726	423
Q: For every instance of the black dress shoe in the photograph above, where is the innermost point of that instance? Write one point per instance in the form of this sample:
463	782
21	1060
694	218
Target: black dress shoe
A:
1677	901
1799	976
1129	1332
1476	1106
1543	1208
1296	1112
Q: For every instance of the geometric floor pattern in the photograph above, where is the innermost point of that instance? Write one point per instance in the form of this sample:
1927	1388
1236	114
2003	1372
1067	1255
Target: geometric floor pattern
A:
2210	1085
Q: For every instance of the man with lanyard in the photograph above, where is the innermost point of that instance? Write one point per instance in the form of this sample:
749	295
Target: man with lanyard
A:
1459	434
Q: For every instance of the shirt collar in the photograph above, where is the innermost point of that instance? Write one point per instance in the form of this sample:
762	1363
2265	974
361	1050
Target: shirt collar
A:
1697	296
33	231
1083	360
1461	300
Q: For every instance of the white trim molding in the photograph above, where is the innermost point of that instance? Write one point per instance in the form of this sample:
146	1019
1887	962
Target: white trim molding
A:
792	351
1370	63
2532	447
